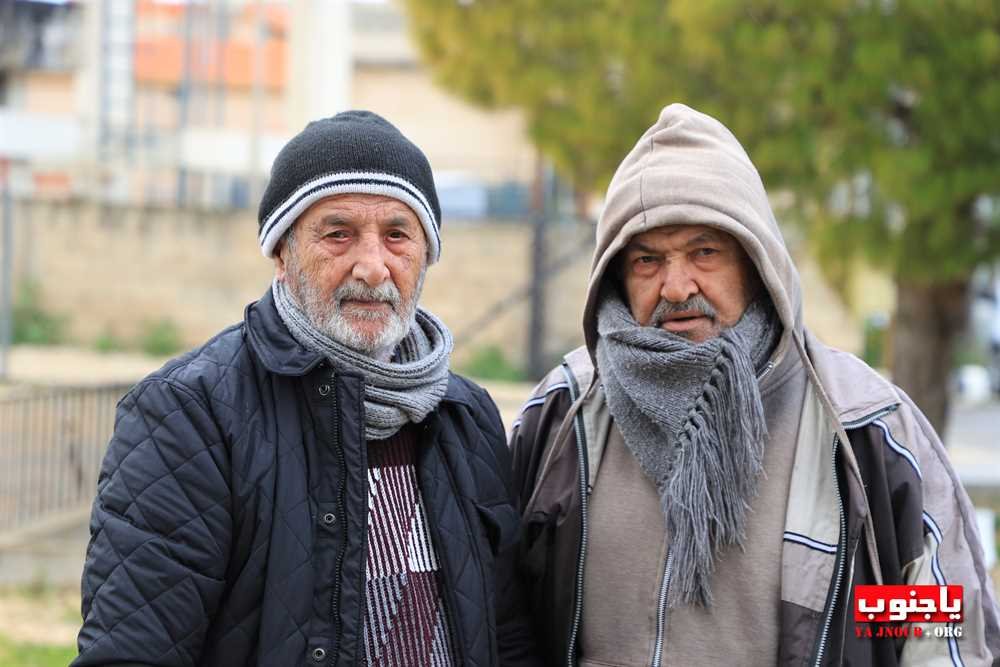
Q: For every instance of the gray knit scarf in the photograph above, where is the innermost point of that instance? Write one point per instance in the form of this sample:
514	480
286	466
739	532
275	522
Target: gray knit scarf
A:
692	416
404	389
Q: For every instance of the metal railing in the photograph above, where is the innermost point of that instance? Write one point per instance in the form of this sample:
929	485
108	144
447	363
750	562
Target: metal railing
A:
52	442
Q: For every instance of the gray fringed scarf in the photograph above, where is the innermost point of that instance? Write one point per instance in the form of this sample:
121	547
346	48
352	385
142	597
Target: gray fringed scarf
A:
692	416
404	389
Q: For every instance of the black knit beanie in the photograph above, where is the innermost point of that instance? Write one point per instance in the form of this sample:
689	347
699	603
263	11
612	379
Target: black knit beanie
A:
352	152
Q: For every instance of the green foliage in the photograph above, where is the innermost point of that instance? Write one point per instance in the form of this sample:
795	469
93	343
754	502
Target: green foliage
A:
970	352
878	116
15	654
107	342
161	338
32	325
489	363
572	66
873	351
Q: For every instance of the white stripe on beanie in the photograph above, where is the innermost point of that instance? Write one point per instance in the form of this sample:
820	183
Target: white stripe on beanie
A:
328	185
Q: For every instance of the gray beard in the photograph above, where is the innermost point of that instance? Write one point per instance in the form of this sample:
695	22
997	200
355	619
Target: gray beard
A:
692	416
326	315
404	389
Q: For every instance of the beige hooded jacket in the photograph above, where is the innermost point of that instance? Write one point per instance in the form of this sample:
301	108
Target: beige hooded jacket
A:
873	498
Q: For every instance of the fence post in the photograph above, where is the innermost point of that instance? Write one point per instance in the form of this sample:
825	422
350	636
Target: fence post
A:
6	270
51	446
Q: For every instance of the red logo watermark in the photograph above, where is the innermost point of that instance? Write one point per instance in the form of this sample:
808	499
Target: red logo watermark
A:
913	604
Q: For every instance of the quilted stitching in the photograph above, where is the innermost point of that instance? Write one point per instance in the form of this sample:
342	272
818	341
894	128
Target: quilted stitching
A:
201	536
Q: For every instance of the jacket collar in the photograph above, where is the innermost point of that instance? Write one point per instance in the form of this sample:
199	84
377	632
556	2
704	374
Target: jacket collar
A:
274	345
856	392
281	354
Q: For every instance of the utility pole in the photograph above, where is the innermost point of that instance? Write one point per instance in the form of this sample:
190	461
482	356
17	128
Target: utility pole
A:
184	106
254	180
542	209
116	91
6	271
220	17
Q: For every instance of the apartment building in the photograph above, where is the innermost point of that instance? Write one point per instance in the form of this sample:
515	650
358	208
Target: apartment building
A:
184	104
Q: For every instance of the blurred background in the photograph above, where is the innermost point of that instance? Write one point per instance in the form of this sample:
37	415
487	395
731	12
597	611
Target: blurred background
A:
136	138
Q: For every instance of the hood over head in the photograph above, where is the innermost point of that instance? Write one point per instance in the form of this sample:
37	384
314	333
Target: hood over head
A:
689	169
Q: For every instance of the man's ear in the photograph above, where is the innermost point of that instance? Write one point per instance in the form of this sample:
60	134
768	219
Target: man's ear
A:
279	260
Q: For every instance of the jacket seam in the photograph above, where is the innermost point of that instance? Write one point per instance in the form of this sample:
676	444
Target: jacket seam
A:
467	520
183	388
954	651
539	401
897	447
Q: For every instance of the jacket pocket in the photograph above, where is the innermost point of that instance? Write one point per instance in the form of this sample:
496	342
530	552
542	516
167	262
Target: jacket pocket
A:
501	522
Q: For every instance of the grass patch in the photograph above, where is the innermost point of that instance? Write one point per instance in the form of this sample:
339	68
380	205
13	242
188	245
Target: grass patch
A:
32	324
16	654
489	363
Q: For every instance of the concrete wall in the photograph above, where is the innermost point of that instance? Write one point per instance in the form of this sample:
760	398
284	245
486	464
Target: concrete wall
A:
115	270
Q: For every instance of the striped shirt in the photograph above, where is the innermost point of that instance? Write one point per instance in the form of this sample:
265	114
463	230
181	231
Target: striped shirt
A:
405	620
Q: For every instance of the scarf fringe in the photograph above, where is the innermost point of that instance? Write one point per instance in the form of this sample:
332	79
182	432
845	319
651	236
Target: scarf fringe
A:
692	416
693	496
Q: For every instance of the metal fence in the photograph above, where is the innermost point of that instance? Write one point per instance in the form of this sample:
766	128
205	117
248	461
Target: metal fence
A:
51	445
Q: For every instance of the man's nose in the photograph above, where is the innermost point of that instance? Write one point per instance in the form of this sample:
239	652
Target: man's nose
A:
678	285
369	264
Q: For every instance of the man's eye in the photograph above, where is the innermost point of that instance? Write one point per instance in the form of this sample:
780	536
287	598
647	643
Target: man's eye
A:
645	259
397	235
705	252
337	234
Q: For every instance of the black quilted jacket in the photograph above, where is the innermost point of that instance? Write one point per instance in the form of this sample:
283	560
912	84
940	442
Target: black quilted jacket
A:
229	526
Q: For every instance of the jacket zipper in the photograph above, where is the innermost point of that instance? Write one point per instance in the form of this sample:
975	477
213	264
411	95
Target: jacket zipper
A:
868	419
661	609
838	580
857	423
335	602
456	645
581	451
578	604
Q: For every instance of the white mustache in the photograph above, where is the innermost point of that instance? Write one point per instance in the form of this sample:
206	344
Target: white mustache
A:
356	290
697	303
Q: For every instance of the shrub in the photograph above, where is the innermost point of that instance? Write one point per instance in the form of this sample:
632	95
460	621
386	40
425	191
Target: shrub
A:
161	338
32	325
108	342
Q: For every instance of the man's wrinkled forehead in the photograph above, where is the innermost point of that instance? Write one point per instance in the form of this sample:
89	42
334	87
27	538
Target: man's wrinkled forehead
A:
680	237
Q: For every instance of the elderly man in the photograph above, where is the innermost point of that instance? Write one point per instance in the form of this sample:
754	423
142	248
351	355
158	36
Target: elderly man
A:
705	483
313	486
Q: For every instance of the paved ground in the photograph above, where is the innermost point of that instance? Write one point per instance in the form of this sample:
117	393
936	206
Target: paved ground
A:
53	365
